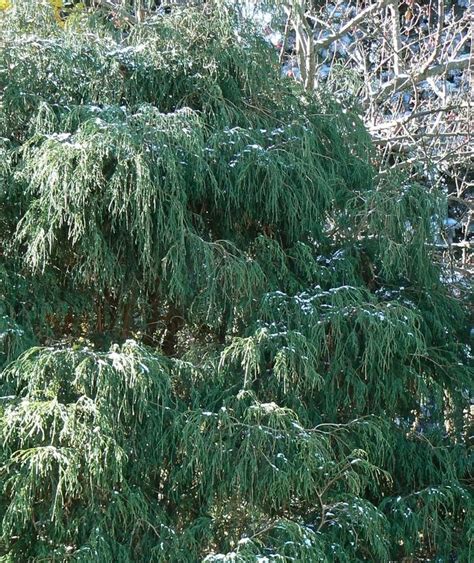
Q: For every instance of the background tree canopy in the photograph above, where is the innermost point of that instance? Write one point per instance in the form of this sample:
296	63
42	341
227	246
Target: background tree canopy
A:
222	336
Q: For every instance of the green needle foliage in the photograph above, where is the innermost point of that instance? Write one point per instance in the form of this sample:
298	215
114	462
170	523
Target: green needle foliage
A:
221	337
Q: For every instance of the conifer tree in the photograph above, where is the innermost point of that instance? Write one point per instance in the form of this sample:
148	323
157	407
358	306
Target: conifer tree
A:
222	338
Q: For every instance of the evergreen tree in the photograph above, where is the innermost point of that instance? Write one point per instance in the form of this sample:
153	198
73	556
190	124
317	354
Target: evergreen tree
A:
222	337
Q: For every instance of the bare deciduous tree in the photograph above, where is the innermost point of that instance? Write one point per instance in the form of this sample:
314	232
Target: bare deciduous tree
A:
409	64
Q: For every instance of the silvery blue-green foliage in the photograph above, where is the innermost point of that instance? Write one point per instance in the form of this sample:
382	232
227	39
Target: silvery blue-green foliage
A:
221	339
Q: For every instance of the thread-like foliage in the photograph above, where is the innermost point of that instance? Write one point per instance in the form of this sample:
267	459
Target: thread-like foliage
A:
221	338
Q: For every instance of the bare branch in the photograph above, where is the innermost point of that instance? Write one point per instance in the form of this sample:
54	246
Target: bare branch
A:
361	16
285	35
403	80
405	119
415	136
437	39
397	44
